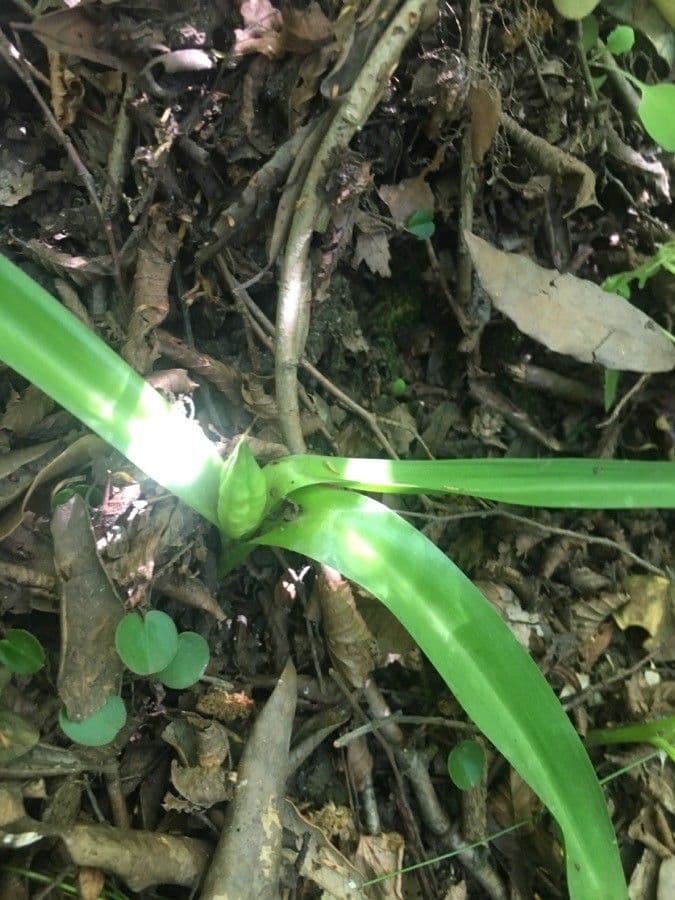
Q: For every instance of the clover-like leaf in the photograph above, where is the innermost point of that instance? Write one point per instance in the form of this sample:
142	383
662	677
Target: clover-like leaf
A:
465	764
189	663
421	224
146	644
99	728
20	652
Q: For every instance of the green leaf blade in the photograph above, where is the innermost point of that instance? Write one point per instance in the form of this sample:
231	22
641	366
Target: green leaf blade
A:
146	644
494	679
22	653
562	483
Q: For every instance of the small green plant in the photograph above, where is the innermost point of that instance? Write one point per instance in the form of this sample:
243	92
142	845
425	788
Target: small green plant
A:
421	224
151	645
331	521
98	729
659	733
657	101
466	763
21	653
620	283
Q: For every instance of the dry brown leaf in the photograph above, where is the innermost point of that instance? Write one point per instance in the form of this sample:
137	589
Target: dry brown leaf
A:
67	90
652	607
570	315
80	32
379	854
373	250
304	30
407	197
485	103
26	410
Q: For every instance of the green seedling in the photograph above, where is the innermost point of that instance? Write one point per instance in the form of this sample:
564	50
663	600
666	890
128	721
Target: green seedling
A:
146	644
189	663
466	763
98	729
398	387
659	733
329	520
421	224
21	653
620	283
575	9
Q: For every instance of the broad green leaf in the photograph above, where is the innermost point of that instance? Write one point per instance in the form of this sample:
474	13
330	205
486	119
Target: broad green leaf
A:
620	40
465	764
421	224
20	652
97	729
49	346
490	674
564	483
189	663
657	113
146	644
575	9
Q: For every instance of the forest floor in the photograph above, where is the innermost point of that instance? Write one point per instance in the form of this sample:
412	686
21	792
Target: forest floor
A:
188	177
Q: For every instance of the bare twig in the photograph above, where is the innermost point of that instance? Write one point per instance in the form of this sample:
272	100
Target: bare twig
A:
295	279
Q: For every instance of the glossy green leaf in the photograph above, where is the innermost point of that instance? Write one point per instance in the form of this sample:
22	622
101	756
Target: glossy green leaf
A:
575	9
421	224
466	762
657	114
49	346
97	729
564	483
20	652
620	40
146	644
189	663
490	674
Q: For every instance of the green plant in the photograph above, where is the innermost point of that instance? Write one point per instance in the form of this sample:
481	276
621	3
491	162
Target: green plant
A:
657	101
659	733
466	762
98	729
21	653
421	224
620	283
495	680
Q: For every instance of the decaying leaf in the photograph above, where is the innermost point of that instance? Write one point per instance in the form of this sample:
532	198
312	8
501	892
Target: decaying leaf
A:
407	197
652	607
90	669
485	103
570	315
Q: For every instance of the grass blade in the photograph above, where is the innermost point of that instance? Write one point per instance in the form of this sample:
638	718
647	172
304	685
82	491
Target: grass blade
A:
49	346
494	679
565	483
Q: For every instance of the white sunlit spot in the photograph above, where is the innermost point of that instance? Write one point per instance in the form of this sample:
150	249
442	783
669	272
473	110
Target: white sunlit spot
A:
185	449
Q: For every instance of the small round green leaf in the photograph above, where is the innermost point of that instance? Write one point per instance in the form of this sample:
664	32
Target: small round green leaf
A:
146	644
657	113
20	652
620	40
421	224
575	9
99	728
189	663
398	387
465	764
